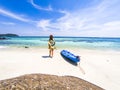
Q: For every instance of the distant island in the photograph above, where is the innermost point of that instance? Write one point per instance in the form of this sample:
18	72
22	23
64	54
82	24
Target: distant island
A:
4	36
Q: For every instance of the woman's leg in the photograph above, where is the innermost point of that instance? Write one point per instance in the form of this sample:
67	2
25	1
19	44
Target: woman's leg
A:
52	51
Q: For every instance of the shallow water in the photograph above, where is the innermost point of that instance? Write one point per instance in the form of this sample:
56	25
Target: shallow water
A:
64	42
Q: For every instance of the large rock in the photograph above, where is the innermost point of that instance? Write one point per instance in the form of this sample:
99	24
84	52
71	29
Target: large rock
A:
46	82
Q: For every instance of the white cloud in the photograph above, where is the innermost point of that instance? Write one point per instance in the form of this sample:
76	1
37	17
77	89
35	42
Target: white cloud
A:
49	8
43	24
113	23
12	15
8	23
96	20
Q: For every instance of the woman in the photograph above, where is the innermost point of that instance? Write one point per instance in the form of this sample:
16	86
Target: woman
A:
51	45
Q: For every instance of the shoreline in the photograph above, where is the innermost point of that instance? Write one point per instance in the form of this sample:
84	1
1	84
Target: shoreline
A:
97	67
57	48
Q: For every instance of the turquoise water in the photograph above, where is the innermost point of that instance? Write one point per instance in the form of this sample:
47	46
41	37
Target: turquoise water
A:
64	42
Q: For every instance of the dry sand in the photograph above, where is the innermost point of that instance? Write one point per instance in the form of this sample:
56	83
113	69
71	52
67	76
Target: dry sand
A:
98	67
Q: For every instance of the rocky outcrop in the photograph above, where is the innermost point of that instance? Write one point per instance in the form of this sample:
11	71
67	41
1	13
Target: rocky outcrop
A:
46	82
2	38
8	35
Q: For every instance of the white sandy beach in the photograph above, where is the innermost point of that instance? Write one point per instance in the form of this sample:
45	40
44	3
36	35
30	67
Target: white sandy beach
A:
98	67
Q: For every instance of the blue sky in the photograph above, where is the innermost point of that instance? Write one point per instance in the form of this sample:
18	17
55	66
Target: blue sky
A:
89	18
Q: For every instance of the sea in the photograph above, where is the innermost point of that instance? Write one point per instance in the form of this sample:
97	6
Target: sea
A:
96	43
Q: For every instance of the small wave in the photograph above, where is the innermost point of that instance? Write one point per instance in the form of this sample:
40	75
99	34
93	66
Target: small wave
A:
1	47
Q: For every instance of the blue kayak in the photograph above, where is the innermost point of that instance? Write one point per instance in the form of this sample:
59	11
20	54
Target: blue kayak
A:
70	56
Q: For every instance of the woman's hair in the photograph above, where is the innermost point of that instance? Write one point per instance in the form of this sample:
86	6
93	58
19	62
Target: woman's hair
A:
51	37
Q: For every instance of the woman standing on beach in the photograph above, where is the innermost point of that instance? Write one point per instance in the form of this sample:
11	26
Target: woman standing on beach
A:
51	45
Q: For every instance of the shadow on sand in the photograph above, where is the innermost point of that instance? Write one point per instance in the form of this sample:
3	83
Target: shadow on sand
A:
45	56
75	64
69	61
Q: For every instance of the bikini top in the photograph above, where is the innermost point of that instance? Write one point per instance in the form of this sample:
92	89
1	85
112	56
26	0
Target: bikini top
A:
52	43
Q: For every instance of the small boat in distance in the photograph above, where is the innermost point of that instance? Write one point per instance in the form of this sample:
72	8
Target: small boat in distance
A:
68	55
